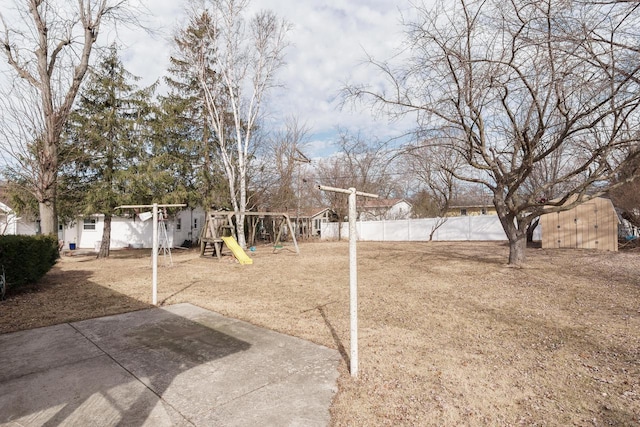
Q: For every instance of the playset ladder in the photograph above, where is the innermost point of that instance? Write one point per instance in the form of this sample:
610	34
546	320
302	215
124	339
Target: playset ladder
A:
216	226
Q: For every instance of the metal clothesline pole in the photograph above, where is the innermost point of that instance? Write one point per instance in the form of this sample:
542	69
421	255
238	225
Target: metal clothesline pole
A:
154	250
353	270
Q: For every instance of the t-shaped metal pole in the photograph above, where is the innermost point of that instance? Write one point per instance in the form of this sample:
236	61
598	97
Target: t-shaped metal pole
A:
353	270
154	248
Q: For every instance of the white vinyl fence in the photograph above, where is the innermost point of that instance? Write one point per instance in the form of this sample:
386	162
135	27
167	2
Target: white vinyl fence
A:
481	227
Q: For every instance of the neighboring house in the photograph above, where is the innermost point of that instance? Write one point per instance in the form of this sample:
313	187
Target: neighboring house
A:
127	230
133	230
471	209
7	220
387	209
471	203
12	224
590	225
188	225
309	222
320	217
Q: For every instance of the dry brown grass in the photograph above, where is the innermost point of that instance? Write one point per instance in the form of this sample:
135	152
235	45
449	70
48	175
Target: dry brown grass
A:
449	335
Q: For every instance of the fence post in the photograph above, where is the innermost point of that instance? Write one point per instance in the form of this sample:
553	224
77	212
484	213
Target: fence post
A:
384	229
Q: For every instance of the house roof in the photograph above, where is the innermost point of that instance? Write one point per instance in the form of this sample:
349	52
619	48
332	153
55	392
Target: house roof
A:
471	201
4	208
470	206
381	203
308	212
4	198
574	198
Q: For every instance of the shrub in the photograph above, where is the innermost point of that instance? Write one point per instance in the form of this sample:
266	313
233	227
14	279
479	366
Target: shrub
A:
26	259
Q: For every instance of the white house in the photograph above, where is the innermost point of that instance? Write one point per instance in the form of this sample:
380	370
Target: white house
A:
188	225
387	209
127	230
319	218
12	224
132	230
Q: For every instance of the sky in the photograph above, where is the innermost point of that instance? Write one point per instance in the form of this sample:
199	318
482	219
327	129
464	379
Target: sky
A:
329	43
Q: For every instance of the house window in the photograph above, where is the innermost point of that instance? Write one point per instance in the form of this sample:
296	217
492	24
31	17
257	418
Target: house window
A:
89	224
317	226
59	226
195	223
483	211
179	224
463	212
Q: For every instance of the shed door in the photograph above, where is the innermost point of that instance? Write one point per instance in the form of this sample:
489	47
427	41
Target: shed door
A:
586	221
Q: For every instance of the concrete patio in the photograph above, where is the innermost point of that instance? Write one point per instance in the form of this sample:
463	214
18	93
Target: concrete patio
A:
170	366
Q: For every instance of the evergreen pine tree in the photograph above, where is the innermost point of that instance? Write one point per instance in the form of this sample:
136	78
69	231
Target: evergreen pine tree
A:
186	146
108	150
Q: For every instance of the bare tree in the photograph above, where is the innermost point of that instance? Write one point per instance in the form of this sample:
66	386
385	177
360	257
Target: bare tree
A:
627	196
369	163
334	171
21	125
285	160
47	45
549	171
514	83
246	55
433	167
363	163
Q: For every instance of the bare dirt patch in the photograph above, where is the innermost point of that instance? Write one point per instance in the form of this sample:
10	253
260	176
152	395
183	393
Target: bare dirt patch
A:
449	335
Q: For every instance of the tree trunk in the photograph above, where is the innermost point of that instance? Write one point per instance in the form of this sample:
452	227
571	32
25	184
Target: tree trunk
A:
518	249
439	222
48	219
240	229
46	195
531	229
253	227
517	241
105	245
242	204
516	232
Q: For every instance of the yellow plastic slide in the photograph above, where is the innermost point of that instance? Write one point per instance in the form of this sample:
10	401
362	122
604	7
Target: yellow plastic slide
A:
236	250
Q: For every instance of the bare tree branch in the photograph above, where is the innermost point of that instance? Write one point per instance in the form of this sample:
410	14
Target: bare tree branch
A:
246	60
49	45
540	98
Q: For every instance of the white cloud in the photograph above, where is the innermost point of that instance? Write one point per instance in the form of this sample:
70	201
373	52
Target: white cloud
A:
329	41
